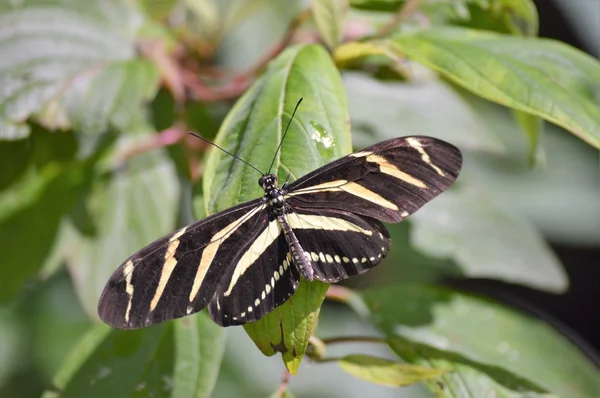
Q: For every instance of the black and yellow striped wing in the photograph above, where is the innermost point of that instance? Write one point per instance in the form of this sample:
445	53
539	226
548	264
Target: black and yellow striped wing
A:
387	181
239	264
179	274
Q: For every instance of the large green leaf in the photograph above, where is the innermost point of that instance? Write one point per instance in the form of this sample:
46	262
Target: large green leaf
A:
492	349
134	206
253	130
543	77
465	224
254	127
71	63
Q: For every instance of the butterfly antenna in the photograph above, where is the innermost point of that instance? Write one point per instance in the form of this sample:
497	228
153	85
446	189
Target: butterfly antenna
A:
283	137
226	151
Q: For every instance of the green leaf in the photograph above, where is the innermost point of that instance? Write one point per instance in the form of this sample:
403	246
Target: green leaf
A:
252	130
490	347
383	110
288	327
329	17
71	63
109	362
135	206
387	372
517	17
465	224
45	197
532	126
199	348
559	196
254	126
469	378
543	77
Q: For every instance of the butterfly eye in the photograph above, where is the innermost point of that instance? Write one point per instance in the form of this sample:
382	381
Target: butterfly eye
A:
261	181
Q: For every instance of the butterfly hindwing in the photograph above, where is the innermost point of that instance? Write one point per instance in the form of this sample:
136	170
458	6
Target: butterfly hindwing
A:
263	278
178	274
387	181
341	244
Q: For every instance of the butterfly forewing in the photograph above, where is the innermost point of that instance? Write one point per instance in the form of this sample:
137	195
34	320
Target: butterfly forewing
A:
178	274
387	181
238	262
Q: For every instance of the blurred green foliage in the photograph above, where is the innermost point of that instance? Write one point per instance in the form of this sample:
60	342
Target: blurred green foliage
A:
97	98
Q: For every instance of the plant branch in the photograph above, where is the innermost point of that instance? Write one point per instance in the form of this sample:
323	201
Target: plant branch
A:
401	15
284	383
167	137
355	339
239	83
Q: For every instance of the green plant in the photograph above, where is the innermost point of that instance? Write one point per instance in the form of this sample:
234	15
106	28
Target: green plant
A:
96	101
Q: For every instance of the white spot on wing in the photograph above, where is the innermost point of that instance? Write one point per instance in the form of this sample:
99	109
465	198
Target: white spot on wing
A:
360	154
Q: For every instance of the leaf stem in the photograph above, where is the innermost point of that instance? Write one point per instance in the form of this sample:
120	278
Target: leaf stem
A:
401	15
166	137
284	383
355	339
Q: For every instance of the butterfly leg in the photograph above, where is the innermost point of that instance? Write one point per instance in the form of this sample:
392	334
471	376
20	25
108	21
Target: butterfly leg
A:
300	257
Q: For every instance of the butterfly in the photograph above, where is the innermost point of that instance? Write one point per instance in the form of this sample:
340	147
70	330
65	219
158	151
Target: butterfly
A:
245	261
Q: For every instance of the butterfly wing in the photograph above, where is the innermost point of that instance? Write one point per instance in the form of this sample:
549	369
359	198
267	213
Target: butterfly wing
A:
180	273
335	210
387	181
262	278
340	243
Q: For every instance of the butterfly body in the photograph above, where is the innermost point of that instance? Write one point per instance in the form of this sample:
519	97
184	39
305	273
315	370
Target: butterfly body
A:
247	260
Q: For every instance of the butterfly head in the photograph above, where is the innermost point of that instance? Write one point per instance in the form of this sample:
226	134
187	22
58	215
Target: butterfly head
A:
268	182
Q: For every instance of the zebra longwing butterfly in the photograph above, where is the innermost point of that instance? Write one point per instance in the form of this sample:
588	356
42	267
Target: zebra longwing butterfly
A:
245	261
